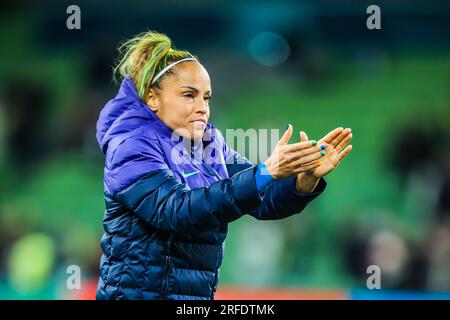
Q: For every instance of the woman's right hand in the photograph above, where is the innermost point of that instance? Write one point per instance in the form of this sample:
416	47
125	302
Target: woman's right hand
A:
291	159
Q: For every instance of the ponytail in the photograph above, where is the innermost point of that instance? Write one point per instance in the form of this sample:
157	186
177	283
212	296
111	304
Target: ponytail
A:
143	56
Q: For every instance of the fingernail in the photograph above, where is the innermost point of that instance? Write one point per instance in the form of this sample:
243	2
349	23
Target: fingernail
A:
314	142
288	126
350	129
322	153
323	147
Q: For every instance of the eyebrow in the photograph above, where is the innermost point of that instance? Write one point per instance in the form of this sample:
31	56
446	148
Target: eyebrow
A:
195	89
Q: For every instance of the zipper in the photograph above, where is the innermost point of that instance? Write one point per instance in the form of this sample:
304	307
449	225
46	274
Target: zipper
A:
216	274
165	287
209	168
166	275
212	171
213	291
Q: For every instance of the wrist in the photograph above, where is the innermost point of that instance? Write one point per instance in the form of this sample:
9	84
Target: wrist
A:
263	177
306	182
268	168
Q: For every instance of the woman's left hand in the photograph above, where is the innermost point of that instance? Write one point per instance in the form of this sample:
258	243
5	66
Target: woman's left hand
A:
336	149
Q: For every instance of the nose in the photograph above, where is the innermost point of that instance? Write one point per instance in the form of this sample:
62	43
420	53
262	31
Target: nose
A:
202	107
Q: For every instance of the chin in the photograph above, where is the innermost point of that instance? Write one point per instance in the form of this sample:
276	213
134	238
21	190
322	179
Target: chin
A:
197	135
197	131
190	134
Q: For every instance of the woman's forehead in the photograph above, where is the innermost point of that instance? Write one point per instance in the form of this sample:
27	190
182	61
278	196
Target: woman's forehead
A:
191	74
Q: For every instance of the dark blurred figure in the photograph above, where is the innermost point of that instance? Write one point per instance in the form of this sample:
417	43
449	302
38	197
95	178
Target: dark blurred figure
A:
439	256
97	88
25	108
402	262
421	158
413	148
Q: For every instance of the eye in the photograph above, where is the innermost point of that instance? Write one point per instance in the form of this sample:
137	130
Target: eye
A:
188	95
208	98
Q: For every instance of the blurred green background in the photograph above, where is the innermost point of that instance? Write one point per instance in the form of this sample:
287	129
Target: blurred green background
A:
312	63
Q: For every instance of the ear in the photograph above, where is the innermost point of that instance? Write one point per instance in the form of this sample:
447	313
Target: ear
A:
152	100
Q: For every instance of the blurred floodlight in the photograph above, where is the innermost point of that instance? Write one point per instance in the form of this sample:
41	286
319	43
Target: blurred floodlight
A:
269	49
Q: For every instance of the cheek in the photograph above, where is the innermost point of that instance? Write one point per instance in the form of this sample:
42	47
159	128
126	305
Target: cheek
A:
176	108
181	112
186	108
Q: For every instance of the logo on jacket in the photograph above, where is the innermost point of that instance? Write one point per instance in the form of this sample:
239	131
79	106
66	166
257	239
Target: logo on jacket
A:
188	174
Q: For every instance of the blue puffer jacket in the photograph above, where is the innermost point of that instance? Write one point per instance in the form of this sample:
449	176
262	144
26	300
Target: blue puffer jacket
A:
166	218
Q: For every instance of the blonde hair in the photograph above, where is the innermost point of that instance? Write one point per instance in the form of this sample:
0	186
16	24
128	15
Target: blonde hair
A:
143	56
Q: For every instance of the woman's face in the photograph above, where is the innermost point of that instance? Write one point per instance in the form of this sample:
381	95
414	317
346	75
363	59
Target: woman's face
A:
183	101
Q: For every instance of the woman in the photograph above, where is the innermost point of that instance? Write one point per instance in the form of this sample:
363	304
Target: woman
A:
167	211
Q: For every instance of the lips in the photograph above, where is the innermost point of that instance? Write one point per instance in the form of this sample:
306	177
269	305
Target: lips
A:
200	120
